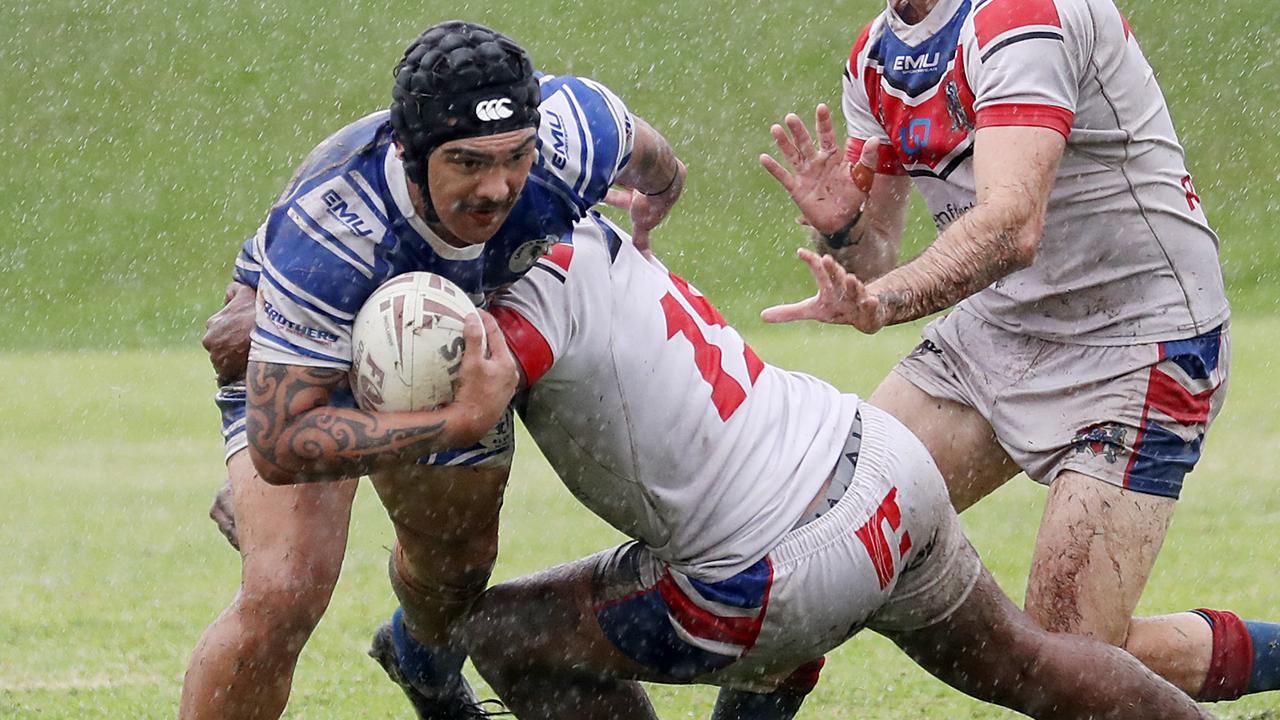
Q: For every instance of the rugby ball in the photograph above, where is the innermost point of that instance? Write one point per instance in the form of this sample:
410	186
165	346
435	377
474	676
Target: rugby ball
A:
407	343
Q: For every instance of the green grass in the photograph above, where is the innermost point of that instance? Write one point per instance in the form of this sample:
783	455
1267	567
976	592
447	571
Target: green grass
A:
144	140
111	570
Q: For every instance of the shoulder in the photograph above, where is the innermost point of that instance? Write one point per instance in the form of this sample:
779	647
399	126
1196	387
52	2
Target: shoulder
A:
332	230
863	45
585	137
1000	21
579	101
354	144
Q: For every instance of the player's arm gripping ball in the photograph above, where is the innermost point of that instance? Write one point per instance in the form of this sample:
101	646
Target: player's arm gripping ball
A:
296	436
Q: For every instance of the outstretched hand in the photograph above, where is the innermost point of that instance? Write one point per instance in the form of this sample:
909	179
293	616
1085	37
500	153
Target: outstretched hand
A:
841	299
647	211
827	188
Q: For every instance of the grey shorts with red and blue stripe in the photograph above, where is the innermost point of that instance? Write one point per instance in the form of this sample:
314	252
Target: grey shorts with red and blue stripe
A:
1131	415
494	449
888	555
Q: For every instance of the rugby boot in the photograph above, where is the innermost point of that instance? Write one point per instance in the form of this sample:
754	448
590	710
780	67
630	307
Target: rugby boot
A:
458	702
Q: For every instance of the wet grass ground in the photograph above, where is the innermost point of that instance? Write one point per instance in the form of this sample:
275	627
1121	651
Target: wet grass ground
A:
144	140
110	569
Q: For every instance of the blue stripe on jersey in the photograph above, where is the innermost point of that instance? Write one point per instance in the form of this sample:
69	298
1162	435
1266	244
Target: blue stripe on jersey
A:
599	119
916	69
247	277
265	337
346	253
621	119
246	268
606	142
557	185
583	162
462	457
303	302
359	187
246	271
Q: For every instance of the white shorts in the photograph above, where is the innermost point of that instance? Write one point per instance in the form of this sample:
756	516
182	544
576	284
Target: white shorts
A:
890	555
1130	415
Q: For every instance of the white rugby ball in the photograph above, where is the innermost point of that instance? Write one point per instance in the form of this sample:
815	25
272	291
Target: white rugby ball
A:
407	343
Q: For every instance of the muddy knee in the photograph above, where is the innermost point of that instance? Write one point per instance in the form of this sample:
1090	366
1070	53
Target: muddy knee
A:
290	601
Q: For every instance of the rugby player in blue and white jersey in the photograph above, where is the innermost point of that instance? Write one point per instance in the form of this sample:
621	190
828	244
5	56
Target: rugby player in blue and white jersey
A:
477	168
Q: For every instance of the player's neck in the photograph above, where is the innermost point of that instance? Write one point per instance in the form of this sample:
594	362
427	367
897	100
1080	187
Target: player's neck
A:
913	11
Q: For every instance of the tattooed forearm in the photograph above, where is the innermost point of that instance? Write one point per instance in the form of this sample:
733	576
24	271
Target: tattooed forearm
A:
296	436
336	442
653	167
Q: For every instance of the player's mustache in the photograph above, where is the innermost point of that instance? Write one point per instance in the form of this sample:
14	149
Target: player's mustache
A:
486	205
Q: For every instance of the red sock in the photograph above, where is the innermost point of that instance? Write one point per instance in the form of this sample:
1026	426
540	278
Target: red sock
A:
805	678
1232	659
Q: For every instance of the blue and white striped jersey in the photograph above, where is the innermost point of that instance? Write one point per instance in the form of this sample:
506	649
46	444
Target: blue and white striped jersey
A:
345	224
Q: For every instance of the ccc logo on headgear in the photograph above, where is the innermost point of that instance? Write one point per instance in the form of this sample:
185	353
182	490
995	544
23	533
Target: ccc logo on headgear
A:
489	110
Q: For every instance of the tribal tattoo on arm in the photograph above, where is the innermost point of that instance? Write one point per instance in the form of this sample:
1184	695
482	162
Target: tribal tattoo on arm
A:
295	436
653	168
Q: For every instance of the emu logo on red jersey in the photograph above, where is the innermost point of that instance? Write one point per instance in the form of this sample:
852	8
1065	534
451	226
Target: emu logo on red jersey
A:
917	63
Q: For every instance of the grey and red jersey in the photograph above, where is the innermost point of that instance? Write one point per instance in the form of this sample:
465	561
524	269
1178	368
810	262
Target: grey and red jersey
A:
657	415
1127	255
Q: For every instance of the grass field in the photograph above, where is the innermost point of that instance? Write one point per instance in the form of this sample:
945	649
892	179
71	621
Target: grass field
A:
111	570
142	141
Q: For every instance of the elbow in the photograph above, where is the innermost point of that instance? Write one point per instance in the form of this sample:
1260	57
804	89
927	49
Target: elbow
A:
275	478
270	472
1025	243
1023	254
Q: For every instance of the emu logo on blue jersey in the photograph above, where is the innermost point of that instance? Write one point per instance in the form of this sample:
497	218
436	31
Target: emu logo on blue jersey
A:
559	146
339	209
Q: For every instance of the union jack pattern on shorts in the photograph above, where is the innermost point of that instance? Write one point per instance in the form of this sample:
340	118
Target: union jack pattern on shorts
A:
1179	402
683	627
